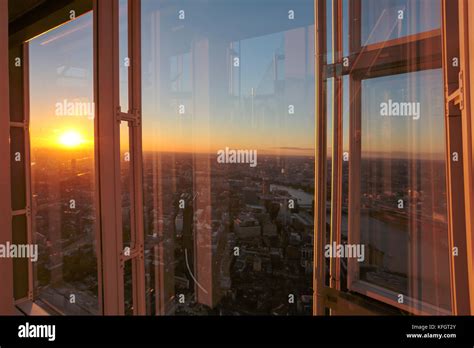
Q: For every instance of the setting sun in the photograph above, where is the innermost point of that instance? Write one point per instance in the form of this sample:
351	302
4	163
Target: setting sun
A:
71	139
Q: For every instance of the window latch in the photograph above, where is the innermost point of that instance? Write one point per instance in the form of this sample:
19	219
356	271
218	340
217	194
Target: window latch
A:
457	97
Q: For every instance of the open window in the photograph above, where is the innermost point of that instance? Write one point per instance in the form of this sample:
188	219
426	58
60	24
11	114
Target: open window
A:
209	193
386	150
75	136
53	162
61	150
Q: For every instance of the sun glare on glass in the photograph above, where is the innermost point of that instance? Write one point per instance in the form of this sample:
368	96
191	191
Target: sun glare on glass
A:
70	139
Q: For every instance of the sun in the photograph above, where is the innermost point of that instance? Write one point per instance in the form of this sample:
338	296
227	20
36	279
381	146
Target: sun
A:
71	139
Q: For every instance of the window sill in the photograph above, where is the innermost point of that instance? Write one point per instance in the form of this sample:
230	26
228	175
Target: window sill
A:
411	305
30	308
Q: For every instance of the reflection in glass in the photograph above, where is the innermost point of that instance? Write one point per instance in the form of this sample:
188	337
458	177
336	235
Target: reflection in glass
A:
124	59
345	172
128	287
384	20
62	167
329	162
403	219
228	238
125	179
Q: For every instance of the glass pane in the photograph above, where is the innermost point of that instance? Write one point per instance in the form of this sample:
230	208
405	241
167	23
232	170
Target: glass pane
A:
125	178
403	217
384	20
20	265
16	84
227	234
63	167
345	174
128	287
329	33
345	28
17	170
329	154
124	59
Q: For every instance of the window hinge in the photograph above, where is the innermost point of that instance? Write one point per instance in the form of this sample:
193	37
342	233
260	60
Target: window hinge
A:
118	114
457	97
333	70
137	117
132	116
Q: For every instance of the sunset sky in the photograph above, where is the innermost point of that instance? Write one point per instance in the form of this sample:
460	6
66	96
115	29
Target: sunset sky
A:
61	71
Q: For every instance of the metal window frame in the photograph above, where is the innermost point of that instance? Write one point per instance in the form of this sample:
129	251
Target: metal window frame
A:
454	143
385	58
106	89
19	77
319	273
374	60
22	270
106	96
466	34
135	108
6	265
337	145
110	260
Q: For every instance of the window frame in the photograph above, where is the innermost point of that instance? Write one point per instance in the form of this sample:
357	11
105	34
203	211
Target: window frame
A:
6	265
461	95
19	101
110	260
107	98
369	64
373	60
